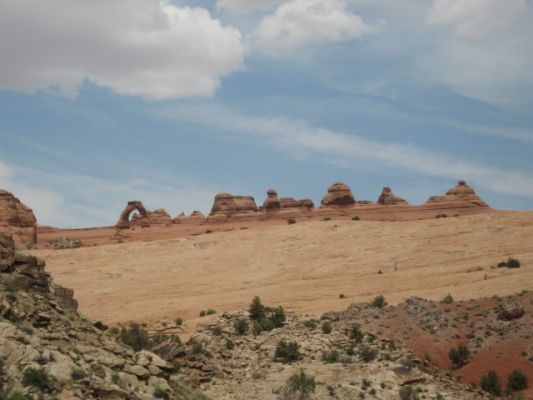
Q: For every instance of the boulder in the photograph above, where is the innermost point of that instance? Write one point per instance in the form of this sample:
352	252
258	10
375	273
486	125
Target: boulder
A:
288	202
272	202
17	219
339	195
388	198
461	193
306	204
228	204
195	217
157	217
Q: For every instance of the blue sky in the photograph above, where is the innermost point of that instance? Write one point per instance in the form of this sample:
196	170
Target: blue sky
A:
172	102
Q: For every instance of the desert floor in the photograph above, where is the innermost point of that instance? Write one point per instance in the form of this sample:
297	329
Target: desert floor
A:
304	267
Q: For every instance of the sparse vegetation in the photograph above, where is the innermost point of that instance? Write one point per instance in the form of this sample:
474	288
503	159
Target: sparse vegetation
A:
326	219
356	218
230	344
38	378
510	263
517	381
310	324
342	296
300	386
7	394
287	352
326	327
77	374
331	356
291	221
379	302
447	299
179	321
135	337
265	318
367	354
241	326
355	333
490	383
408	393
442	215
459	356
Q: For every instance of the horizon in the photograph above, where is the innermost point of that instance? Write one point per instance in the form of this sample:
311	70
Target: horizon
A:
172	102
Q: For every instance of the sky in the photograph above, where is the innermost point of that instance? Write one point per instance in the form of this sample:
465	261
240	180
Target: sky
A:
171	102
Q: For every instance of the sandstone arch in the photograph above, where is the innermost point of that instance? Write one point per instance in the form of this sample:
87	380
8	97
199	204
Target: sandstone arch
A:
124	220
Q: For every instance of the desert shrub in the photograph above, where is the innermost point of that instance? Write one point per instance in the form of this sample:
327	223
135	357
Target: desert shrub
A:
355	333
278	317
326	327
367	354
310	324
241	326
66	243
378	302
257	309
442	215
291	221
179	321
356	218
197	348
265	318
459	356
77	374
326	219
287	352
517	381
342	296
217	330
202	313
135	337
408	393
510	263
490	383
447	299
331	357
230	344
299	386
160	393
16	395
210	311
38	378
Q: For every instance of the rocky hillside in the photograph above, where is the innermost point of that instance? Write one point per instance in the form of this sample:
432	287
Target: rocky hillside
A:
48	351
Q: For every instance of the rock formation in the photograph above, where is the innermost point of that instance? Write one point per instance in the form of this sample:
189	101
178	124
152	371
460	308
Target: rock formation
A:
68	357
272	202
461	193
124	220
157	217
388	198
17	219
339	195
195	217
306	204
228	204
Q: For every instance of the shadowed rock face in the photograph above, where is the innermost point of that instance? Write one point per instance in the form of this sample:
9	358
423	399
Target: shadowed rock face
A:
195	217
157	217
272	202
462	192
227	204
339	195
124	220
306	204
388	198
17	219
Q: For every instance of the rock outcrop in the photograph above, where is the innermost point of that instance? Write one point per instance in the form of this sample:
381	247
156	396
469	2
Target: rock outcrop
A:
17	219
388	198
306	204
124	220
196	217
228	204
48	351
157	217
461	193
272	202
339	195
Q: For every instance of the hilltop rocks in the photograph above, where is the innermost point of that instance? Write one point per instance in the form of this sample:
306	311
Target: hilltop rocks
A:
227	204
124	220
339	195
157	217
388	198
461	193
195	217
273	203
306	204
17	219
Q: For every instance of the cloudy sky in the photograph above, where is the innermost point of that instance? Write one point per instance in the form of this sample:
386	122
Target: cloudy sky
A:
170	102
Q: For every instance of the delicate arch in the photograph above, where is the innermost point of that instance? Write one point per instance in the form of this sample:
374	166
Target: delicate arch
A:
124	220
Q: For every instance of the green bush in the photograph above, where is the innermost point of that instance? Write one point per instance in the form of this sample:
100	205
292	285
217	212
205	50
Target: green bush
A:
16	395
230	344
331	357
241	326
77	374
39	378
326	219
447	300
355	333
265	318
517	381
257	309
310	324
326	327
197	348
408	393
291	221
179	321
510	263
459	356
356	218
210	311
135	337
287	352
202	314
378	302
300	386
368	354
490	383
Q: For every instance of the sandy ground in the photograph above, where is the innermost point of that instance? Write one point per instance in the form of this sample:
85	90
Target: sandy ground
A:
304	267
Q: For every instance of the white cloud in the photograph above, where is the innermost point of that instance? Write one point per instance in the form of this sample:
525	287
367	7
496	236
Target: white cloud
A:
149	48
240	7
297	23
351	150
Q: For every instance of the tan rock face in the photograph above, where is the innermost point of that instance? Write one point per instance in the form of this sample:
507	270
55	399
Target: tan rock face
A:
17	219
462	192
227	204
272	202
196	217
157	217
388	198
306	204
124	220
339	195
